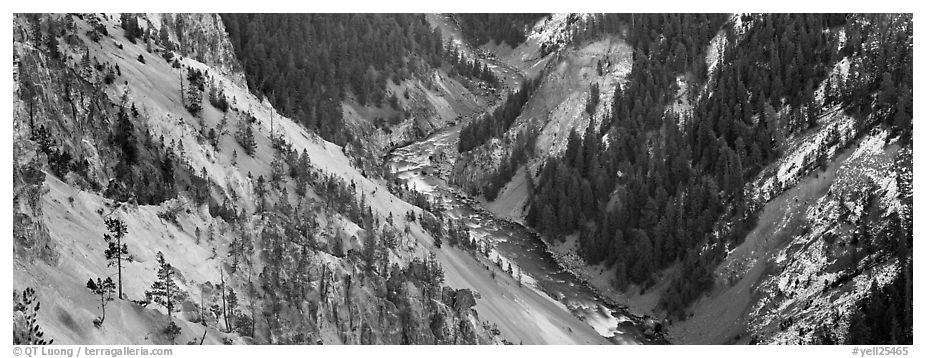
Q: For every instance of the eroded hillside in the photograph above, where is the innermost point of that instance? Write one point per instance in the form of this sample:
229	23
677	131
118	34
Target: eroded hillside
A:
102	119
572	179
130	118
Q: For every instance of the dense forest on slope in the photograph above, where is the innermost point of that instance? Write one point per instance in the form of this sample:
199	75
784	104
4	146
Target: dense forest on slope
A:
474	69
657	195
508	28
307	63
495	124
576	188
655	192
880	82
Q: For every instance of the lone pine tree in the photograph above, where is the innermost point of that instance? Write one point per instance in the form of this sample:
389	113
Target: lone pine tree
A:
164	291
105	289
245	137
194	91
117	251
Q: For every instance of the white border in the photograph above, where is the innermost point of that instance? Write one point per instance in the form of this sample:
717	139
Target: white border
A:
473	6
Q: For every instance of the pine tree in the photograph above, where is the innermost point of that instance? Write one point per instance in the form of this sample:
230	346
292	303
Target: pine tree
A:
105	289
245	137
117	251
277	170
231	302
194	91
130	24
225	300
164	38
123	135
370	251
593	97
259	187
52	41
194	100
164	291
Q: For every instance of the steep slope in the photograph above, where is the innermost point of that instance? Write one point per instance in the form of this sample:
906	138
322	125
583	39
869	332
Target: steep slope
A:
760	246
830	234
557	107
368	82
424	168
505	310
229	177
796	271
179	227
687	195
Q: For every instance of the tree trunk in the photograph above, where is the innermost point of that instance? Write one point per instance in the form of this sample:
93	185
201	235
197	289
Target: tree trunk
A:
251	293
269	329
202	306
224	307
119	261
182	95
167	296
103	306
31	119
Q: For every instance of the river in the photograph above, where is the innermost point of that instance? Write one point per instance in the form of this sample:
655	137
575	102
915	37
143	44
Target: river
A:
424	166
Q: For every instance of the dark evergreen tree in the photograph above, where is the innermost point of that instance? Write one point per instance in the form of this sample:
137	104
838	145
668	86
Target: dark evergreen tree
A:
245	137
165	291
